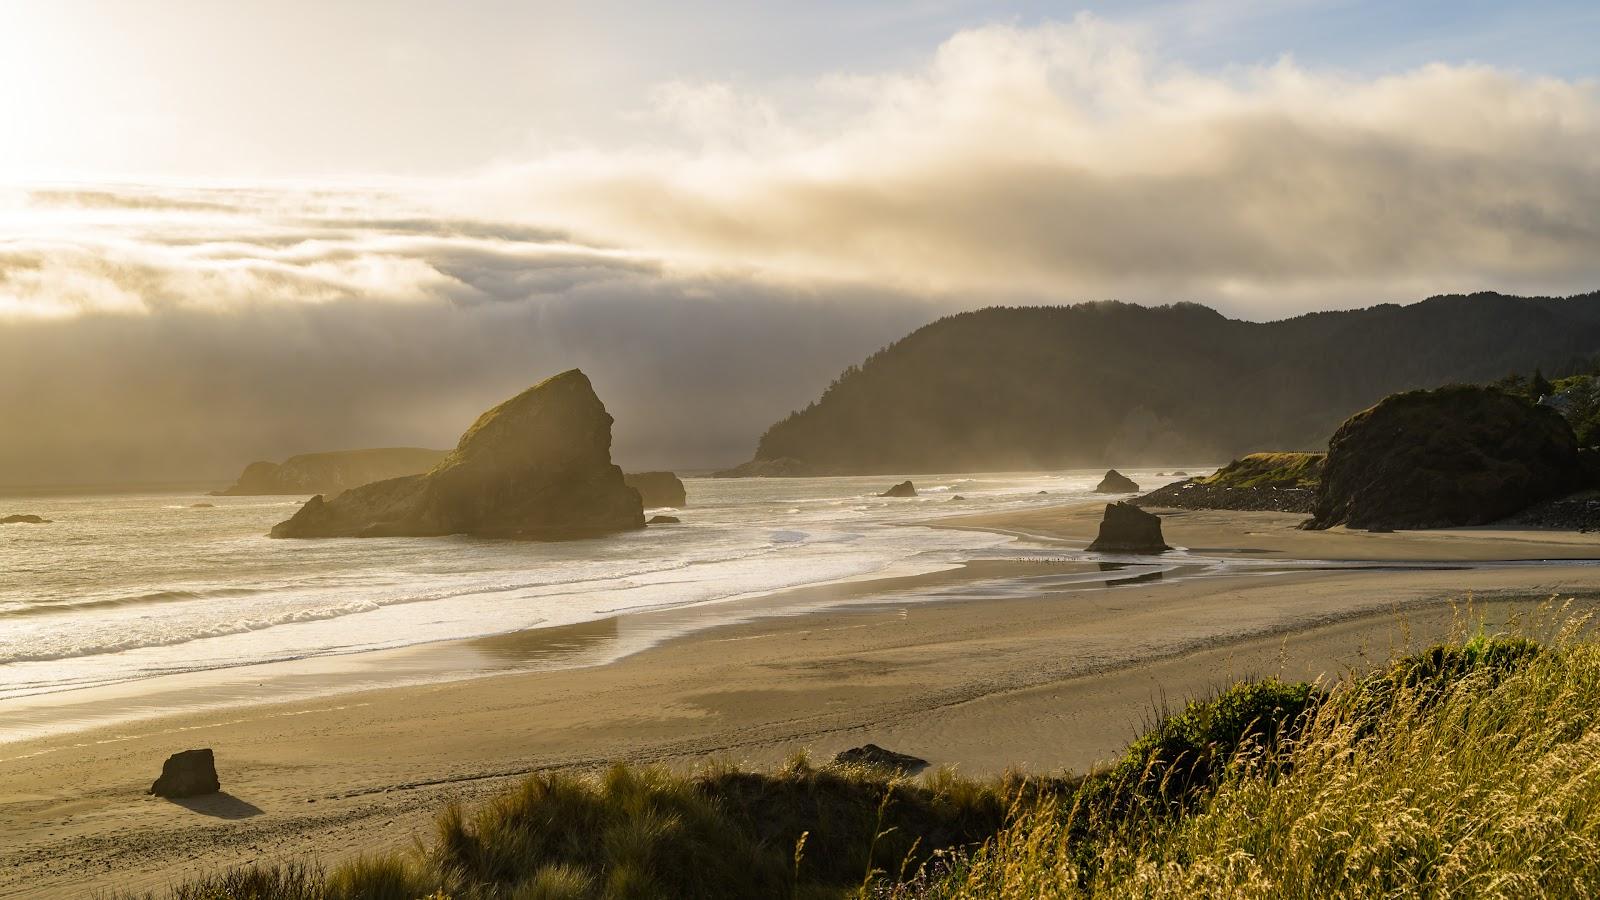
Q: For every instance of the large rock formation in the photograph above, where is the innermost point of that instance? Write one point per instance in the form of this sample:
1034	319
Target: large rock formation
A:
658	488
1458	455
537	466
1128	529
187	774
332	473
24	519
1116	483
903	489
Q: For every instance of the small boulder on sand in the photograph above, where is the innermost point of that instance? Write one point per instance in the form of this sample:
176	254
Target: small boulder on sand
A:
903	489
1116	483
1128	529
664	520
24	519
187	774
873	756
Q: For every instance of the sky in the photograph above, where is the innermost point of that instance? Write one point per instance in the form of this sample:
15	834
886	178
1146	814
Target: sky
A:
245	230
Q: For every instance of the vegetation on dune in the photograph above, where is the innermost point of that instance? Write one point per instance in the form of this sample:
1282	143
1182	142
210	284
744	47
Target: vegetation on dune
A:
1270	470
1471	768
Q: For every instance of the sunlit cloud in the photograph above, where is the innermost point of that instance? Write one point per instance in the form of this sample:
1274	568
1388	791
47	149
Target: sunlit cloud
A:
1068	161
718	270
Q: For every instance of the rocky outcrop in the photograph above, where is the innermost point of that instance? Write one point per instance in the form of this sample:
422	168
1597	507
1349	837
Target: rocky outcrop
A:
903	489
781	467
1197	494
1579	512
664	520
874	757
1461	455
658	488
332	473
1116	483
1128	529
24	519
537	467
187	774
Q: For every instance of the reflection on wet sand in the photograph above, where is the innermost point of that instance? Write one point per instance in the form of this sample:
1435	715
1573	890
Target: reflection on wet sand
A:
562	644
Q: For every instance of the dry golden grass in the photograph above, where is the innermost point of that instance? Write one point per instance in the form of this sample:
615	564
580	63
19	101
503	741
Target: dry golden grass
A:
1469	771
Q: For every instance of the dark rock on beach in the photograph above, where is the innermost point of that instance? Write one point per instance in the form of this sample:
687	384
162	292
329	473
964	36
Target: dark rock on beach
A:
1580	512
873	756
537	466
1461	455
1116	483
1193	494
903	489
664	520
24	519
187	774
1128	529
658	488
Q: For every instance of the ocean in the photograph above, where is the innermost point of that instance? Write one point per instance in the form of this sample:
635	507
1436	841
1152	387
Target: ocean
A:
123	596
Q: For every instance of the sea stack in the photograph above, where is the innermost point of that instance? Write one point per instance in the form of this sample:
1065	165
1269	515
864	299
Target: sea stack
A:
187	774
1128	529
1116	483
1454	456
536	467
658	488
903	489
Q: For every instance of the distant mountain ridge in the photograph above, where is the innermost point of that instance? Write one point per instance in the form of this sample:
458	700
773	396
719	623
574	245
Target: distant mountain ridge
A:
1115	383
332	472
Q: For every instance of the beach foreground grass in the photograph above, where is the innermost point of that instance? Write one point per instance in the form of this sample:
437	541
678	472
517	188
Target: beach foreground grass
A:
1470	769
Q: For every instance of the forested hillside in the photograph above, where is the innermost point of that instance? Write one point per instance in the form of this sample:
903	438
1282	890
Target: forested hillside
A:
1115	383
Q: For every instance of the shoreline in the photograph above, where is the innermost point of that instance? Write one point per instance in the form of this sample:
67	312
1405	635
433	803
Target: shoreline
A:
1048	680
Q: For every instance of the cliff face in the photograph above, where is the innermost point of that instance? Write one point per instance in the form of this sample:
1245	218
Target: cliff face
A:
537	466
332	473
1116	384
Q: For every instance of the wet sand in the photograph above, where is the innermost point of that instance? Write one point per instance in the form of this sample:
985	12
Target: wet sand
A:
1059	679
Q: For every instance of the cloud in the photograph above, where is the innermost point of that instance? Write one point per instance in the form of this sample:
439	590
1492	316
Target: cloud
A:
1068	160
714	278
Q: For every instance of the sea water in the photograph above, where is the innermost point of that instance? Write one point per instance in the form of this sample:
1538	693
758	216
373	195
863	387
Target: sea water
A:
120	589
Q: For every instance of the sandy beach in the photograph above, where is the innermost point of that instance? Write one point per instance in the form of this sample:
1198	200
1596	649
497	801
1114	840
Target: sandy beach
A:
1060	680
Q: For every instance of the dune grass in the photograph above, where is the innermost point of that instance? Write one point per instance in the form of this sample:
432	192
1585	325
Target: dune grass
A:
1470	769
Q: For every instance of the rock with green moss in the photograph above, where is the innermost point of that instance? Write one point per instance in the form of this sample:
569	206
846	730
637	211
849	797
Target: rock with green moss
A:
1460	455
537	466
1270	470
